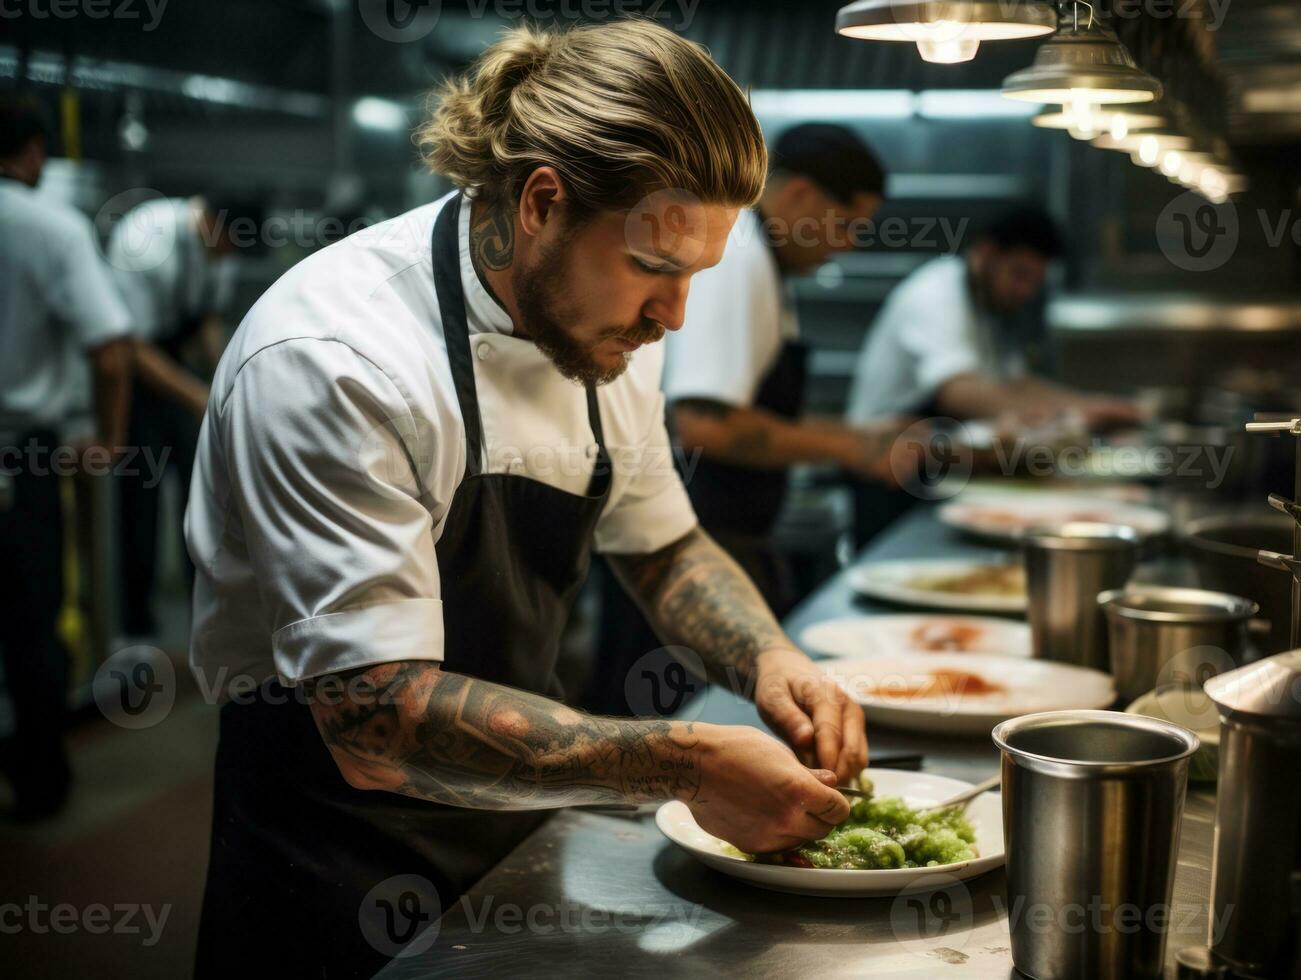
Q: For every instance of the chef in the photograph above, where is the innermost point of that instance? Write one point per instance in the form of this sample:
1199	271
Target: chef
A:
943	343
412	442
57	303
174	263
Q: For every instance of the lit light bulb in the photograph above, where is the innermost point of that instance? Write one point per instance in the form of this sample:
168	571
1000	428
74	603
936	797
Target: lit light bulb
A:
1149	151
1081	105
945	44
1119	128
1171	162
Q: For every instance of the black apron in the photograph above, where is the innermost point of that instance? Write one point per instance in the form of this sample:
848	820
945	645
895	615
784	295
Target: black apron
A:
296	852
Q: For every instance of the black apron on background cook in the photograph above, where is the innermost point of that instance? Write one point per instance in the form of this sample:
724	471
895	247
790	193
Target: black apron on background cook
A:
296	851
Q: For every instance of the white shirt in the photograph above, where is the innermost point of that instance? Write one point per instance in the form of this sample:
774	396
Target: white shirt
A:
928	331
333	444
163	268
738	315
57	302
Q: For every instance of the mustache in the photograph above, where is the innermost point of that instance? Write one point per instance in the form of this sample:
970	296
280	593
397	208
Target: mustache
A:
645	332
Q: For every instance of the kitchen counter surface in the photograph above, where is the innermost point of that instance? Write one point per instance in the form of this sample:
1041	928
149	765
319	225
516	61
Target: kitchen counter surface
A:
590	893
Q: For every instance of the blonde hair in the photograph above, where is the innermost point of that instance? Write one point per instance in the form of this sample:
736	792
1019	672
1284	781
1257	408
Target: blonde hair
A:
619	110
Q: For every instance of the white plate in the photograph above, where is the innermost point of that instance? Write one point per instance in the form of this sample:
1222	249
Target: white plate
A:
917	788
859	636
1027	686
1006	517
889	580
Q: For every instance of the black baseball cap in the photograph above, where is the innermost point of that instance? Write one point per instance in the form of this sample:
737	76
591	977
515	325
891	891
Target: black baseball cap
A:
830	155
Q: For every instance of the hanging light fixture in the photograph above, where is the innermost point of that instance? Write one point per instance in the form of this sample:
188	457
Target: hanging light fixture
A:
1098	121
1081	66
945	31
1145	147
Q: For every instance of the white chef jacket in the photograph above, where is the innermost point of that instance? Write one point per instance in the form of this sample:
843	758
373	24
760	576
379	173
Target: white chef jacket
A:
333	444
928	331
738	316
163	269
57	302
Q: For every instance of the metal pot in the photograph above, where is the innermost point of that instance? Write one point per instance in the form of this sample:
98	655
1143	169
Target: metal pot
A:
1092	808
1164	635
1257	816
1223	550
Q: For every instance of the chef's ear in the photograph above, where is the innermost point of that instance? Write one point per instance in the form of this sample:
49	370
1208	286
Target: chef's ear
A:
543	191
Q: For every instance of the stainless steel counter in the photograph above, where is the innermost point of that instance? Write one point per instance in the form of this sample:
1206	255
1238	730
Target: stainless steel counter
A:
590	894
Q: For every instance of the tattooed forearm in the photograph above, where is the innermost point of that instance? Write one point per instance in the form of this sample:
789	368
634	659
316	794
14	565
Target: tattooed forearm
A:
697	596
415	729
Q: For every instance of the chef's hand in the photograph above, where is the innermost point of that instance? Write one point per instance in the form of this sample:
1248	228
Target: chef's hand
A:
755	794
811	712
887	452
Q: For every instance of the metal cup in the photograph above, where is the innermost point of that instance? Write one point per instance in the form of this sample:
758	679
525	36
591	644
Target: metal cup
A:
1066	567
1092	805
1164	635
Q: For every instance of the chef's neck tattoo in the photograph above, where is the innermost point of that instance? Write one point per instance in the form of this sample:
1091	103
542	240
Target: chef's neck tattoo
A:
492	237
415	729
696	596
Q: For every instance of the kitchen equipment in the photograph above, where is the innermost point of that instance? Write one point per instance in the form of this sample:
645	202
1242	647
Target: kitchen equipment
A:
1290	562
1224	548
965	798
1092	804
918	789
1166	635
1065	569
1257	816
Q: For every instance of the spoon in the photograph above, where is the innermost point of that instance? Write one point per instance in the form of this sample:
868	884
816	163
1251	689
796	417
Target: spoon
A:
966	796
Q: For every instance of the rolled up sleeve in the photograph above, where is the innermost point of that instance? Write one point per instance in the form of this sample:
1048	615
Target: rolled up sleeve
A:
322	448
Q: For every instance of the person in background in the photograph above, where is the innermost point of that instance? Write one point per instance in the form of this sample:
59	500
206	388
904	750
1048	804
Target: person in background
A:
56	297
734	379
174	261
941	345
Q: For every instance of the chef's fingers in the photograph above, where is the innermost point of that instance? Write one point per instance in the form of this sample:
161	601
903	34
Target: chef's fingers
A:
828	734
853	752
828	806
826	777
787	717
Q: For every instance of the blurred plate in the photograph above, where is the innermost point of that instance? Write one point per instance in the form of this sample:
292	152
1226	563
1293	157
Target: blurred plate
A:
964	693
857	636
903	582
918	789
1192	708
1006	517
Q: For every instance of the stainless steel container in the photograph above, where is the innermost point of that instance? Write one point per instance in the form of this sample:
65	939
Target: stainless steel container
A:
1066	567
1223	548
1164	635
1092	805
1257	816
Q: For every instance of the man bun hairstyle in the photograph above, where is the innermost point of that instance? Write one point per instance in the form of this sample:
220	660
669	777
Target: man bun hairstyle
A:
619	110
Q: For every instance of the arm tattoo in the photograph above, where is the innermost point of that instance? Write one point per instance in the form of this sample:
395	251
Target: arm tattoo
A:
413	728
696	595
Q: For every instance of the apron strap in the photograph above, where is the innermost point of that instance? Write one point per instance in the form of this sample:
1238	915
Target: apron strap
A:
456	330
601	471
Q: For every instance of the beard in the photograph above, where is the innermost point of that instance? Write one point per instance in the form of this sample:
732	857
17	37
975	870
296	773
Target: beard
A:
540	296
